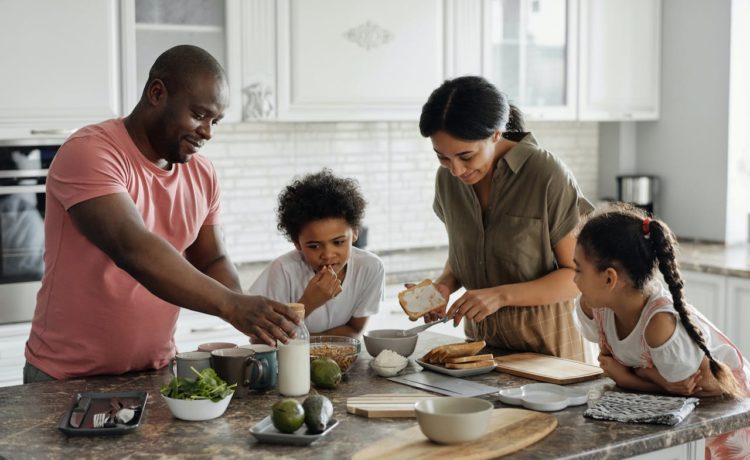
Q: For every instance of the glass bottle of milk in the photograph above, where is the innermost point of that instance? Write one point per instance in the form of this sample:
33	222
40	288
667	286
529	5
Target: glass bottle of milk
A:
294	359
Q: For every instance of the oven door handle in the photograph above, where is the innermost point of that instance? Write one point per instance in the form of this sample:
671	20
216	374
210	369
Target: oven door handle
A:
11	189
24	173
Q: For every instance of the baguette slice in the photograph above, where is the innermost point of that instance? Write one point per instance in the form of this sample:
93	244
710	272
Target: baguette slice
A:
421	299
471	365
469	359
438	355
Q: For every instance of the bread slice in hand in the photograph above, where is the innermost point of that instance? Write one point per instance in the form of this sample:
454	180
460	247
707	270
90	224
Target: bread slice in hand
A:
421	299
471	365
469	359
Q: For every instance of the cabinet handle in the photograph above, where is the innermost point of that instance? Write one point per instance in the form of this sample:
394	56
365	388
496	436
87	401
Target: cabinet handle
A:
219	327
10	189
52	132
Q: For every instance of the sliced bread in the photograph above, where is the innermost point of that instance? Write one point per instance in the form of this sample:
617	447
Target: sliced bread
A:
471	365
421	299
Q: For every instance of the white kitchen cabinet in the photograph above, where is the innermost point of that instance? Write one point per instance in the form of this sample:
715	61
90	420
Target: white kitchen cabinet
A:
341	59
694	450
61	65
150	27
530	53
707	293
13	339
738	303
620	47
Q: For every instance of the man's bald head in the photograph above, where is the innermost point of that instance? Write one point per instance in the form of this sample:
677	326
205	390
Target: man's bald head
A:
177	67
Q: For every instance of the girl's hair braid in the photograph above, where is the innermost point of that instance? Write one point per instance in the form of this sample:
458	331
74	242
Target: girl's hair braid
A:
664	244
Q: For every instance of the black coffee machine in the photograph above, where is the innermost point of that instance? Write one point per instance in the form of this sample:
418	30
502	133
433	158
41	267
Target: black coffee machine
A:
639	190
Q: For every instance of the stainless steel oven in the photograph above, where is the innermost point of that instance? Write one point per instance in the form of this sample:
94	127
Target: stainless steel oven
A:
23	174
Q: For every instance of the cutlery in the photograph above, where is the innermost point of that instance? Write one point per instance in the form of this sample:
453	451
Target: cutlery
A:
79	412
423	327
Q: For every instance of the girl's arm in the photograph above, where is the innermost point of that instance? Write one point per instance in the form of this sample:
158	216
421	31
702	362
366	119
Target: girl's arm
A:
624	376
553	287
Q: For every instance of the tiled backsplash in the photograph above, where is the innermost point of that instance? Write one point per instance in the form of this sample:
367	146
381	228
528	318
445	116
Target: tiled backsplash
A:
395	167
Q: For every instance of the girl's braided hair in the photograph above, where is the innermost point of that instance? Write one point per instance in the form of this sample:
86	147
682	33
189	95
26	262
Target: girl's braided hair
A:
622	238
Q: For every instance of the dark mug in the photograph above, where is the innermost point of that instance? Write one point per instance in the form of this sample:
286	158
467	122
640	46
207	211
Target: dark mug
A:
238	366
267	354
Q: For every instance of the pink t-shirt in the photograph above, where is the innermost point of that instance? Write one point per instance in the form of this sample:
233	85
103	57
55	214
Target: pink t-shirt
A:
92	317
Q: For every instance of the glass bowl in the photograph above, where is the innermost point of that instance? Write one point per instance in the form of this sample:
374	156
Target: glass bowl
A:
343	350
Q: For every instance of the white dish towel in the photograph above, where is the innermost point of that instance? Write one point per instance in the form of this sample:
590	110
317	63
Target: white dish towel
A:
640	408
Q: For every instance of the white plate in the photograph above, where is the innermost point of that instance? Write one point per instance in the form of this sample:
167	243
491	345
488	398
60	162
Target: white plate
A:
456	372
545	397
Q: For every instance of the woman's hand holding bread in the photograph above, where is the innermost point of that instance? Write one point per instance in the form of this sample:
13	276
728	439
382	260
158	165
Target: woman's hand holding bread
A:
323	287
426	299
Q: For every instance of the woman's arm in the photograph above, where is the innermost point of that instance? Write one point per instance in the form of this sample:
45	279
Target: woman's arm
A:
555	286
351	329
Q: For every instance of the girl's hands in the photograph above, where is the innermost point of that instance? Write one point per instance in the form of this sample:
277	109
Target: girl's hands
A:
324	286
476	305
612	368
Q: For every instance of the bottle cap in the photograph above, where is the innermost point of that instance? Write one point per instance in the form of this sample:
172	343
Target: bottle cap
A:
298	308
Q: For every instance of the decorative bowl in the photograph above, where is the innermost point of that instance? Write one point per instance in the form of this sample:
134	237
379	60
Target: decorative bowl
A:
343	350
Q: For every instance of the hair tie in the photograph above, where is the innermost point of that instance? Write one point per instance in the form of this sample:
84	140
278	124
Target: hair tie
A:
646	227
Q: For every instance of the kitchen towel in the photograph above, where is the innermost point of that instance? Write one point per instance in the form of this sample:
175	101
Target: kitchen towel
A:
640	408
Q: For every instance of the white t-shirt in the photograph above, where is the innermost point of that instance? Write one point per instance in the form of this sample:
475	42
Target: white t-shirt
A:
286	278
677	358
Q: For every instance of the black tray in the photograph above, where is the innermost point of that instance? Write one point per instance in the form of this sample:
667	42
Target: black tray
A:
100	403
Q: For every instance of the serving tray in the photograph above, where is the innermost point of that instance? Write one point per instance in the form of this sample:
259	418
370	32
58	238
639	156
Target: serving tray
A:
456	372
264	431
100	402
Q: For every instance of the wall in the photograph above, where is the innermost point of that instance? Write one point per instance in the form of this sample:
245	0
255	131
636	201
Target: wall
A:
394	164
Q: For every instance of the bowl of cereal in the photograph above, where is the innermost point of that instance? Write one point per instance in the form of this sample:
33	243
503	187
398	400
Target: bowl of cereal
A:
343	350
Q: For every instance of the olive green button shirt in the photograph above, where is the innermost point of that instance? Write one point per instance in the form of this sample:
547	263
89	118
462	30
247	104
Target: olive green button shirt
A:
534	202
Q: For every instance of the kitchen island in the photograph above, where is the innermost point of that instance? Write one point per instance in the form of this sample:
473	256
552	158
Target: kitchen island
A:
31	414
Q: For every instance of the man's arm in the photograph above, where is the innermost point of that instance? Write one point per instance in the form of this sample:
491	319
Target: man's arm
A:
113	224
208	255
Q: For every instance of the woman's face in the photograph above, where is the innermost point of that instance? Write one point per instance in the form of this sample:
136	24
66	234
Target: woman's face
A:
470	161
326	242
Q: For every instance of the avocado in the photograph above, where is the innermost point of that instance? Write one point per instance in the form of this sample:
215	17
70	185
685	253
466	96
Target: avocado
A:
318	411
287	415
325	373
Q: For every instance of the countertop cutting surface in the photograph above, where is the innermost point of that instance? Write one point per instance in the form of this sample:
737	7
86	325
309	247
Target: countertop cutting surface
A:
31	413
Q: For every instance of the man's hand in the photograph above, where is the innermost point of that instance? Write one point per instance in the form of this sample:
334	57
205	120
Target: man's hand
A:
324	286
476	305
262	318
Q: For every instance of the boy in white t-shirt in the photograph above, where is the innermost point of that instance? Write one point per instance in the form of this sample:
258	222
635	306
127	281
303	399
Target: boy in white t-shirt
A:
340	285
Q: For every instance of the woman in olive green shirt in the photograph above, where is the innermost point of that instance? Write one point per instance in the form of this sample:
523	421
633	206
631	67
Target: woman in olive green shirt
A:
510	208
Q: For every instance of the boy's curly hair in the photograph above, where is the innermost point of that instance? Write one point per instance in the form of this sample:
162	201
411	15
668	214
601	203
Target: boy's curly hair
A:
319	196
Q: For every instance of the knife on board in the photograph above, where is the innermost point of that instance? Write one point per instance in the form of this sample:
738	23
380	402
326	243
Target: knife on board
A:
79	412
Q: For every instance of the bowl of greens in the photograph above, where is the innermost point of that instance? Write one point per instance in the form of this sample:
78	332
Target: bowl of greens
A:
204	398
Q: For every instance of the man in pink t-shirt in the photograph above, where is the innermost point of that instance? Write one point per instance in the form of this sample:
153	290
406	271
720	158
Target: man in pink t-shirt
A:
131	233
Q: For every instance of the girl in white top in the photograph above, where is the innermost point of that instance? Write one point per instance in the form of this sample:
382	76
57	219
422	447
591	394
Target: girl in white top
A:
340	285
650	339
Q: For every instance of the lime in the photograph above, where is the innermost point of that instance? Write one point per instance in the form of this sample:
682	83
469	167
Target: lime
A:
287	415
325	373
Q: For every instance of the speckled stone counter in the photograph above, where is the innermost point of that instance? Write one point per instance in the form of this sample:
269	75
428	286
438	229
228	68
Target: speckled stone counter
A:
31	413
733	260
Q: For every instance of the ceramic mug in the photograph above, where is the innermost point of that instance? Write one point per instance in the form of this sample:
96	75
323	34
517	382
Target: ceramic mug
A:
195	359
211	346
238	366
267	354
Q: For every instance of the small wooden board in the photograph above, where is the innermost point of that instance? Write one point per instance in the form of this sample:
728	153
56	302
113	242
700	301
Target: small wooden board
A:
510	430
545	368
396	405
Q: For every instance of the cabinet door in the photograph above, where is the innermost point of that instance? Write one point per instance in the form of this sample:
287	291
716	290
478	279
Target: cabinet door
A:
694	450
620	45
738	313
60	62
12	347
357	59
530	54
707	293
150	27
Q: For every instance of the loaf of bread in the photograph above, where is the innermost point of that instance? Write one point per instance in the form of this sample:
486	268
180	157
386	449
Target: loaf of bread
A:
421	299
439	355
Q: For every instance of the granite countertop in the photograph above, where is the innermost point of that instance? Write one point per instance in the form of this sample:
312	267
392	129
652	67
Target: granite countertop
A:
28	428
720	259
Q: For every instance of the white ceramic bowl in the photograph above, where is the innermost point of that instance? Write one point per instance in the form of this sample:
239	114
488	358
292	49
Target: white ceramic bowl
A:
388	371
389	339
197	409
453	420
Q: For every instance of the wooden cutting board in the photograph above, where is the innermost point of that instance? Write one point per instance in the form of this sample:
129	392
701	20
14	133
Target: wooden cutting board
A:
510	430
547	368
386	405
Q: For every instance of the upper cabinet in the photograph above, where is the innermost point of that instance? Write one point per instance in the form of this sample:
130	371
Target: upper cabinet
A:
341	59
61	65
149	27
620	48
530	54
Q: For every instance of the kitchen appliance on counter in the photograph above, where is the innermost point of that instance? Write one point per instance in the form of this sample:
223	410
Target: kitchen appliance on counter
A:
23	174
639	190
